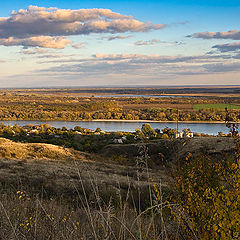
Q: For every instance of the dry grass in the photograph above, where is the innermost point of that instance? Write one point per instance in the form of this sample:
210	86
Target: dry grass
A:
23	216
50	199
85	201
17	150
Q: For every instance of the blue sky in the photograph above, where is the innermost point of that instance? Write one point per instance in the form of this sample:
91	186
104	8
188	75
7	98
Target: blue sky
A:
163	43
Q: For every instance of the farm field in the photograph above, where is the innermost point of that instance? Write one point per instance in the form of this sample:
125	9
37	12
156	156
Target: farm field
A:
216	106
17	104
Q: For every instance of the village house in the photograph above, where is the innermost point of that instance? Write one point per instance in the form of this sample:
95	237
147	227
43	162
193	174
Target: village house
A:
183	134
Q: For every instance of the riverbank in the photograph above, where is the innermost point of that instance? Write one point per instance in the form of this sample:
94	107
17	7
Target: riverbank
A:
153	121
114	125
119	120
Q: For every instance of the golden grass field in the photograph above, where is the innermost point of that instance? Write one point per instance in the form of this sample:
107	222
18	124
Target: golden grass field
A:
17	150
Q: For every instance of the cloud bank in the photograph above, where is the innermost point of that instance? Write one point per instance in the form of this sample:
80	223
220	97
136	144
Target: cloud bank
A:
228	47
233	34
34	25
145	65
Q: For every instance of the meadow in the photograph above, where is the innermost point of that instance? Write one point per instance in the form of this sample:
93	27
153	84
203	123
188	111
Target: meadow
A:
216	106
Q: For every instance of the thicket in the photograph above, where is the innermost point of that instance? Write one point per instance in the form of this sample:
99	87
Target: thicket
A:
157	114
207	196
35	107
79	138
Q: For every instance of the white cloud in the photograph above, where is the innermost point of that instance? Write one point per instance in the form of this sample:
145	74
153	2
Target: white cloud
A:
149	42
232	34
34	51
39	22
223	67
228	47
40	41
79	45
134	69
145	65
156	41
114	37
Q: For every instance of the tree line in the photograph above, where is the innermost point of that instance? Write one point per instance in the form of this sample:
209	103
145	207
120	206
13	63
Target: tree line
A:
157	114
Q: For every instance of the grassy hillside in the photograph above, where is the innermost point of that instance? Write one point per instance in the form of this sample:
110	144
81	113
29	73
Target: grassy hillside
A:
17	150
52	199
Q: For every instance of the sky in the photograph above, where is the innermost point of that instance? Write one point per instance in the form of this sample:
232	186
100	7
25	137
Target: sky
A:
74	43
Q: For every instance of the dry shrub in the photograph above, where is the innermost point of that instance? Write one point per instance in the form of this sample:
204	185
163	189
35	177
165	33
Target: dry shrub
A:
207	197
29	216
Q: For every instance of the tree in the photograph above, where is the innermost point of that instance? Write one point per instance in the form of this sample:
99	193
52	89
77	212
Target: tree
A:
147	130
78	128
98	130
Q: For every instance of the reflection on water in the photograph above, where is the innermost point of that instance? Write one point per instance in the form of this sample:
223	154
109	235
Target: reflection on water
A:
113	126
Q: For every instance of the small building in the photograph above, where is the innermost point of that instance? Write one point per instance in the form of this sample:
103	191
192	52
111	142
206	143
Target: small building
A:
178	135
34	131
183	134
188	134
97	133
119	141
124	138
78	133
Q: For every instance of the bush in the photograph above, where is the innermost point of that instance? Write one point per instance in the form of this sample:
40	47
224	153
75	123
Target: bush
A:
207	194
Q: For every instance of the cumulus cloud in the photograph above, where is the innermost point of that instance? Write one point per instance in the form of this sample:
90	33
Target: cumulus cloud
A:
40	41
228	47
232	34
35	23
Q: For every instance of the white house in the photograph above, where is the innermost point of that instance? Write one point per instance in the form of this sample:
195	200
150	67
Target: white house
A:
119	141
183	134
178	135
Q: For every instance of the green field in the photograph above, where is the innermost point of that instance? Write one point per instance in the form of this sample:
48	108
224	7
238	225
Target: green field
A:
215	106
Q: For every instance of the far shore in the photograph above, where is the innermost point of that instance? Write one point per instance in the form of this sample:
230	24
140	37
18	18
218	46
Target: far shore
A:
120	120
153	121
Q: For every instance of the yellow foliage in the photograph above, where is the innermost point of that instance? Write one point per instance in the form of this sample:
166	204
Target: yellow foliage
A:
208	196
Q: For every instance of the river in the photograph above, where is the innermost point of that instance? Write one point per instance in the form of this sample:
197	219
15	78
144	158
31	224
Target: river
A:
115	126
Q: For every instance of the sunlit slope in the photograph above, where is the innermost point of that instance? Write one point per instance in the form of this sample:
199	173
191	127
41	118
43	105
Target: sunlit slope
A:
17	150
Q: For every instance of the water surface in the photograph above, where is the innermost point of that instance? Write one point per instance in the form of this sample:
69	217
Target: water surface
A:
114	126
